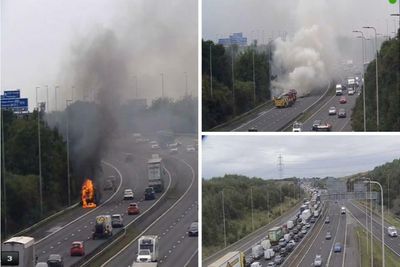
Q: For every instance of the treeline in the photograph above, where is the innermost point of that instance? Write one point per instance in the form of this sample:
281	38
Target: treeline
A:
237	203
218	105
389	91
20	171
388	175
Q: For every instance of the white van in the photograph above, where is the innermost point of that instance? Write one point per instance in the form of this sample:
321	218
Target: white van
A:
266	244
392	231
339	89
269	254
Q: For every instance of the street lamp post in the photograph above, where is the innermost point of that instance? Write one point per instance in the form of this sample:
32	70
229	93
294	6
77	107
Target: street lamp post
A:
47	98
162	85
370	221
254	81
211	85
223	216
55	96
364	89
186	84
40	155
68	172
376	79
252	213
4	171
382	220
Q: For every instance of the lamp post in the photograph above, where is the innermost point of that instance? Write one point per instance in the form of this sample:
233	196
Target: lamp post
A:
223	216
68	172
162	85
370	222
4	171
252	213
211	85
254	80
186	84
364	90
376	79
40	155
382	220
55	96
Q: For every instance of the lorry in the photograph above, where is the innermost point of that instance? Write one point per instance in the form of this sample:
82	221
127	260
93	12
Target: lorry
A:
156	173
305	215
148	248
266	244
18	251
103	227
286	99
274	234
231	259
257	252
339	89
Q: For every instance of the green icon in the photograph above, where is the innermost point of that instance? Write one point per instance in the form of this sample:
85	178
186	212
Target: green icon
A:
392	1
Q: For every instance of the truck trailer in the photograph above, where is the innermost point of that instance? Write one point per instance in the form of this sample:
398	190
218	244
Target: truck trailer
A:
231	259
156	173
103	227
18	251
148	248
274	234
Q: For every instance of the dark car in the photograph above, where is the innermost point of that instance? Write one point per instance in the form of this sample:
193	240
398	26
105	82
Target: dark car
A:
77	248
315	125
300	235
342	113
55	260
149	193
295	231
312	220
296	238
282	242
283	252
278	260
253	129
290	247
194	229
337	247
248	260
276	248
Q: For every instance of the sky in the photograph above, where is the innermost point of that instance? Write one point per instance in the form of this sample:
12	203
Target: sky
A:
302	156
42	41
263	19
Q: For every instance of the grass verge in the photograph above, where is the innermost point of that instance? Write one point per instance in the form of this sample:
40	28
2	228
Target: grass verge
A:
389	217
391	260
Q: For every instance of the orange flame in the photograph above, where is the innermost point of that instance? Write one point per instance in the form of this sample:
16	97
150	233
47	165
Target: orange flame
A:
88	194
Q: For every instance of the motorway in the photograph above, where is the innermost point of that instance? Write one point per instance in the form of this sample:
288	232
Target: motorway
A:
176	247
274	119
56	237
392	243
338	124
250	240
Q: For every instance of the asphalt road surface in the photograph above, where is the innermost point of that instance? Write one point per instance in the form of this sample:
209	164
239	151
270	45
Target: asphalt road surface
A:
392	243
338	124
56	237
176	247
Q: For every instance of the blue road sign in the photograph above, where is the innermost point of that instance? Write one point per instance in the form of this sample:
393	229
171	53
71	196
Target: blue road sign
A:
15	104
11	94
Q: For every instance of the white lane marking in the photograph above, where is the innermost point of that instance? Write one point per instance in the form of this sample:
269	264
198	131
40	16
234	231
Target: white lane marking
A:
246	123
190	259
315	113
333	243
345	238
89	212
159	218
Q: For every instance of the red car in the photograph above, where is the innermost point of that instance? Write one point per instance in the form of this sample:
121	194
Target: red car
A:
342	100
133	209
77	248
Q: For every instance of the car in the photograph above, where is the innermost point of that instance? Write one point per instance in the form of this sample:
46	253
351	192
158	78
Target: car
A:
155	146
342	100
194	229
172	145
392	231
253	129
343	210
295	231
327	220
256	264
290	247
342	113
304	231
296	238
133	209
128	194
276	248
41	264
283	252
55	260
190	148
307	225
149	193
312	220
319	125
318	260
249	260
300	234
350	91
278	260
337	247
282	242
297	126
77	248
332	111
292	241
173	150
116	220
271	264
328	236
